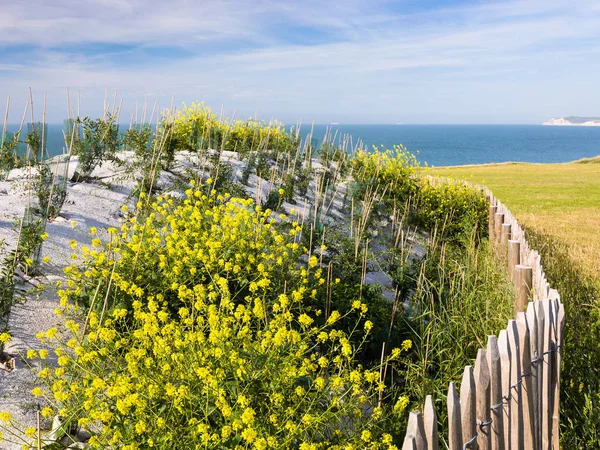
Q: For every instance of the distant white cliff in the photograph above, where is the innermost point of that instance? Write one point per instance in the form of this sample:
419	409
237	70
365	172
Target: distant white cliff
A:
575	121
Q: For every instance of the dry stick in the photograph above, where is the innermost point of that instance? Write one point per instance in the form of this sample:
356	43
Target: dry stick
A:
381	375
114	102
144	109
39	430
44	129
222	149
5	120
119	111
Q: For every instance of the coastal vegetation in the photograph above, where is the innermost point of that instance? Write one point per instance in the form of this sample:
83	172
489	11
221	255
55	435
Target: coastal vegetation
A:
257	292
558	205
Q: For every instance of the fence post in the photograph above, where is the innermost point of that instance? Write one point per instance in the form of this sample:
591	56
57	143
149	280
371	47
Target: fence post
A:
541	319
532	324
527	382
455	441
468	405
516	413
416	429
504	350
514	257
523	280
560	327
491	222
430	422
546	393
409	443
505	235
498	220
496	408
482	396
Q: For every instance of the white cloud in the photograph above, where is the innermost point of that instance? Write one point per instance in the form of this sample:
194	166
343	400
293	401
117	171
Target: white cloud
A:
427	61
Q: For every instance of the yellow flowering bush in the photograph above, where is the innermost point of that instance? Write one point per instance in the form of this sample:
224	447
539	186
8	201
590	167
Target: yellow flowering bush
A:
198	127
197	336
396	175
182	253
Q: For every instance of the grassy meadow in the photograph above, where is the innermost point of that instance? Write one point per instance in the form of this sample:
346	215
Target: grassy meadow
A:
561	200
559	206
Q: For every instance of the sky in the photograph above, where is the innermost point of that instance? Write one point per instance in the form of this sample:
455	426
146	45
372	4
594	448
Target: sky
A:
321	61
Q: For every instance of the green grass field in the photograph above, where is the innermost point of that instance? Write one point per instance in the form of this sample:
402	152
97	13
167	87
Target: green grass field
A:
562	200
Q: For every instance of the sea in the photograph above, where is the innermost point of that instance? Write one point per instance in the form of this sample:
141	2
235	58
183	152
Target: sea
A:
445	145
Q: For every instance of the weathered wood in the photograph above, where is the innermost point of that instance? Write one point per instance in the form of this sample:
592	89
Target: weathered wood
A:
430	422
514	257
527	398
498	221
468	405
492	222
455	441
516	414
504	350
496	410
560	327
416	429
505	234
541	319
532	324
482	385
523	279
546	393
410	443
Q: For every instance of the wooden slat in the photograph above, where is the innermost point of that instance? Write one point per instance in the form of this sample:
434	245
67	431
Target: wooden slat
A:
546	393
516	414
491	219
527	383
482	384
455	441
523	280
505	235
514	257
532	324
430	422
410	443
496	412
560	327
541	319
416	429
468	405
505	360
498	221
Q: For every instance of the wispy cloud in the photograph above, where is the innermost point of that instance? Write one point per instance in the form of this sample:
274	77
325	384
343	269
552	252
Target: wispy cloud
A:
353	60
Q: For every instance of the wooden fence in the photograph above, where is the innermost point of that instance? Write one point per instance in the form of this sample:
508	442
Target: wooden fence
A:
511	398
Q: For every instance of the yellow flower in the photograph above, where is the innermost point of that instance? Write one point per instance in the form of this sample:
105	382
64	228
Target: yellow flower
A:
37	391
401	404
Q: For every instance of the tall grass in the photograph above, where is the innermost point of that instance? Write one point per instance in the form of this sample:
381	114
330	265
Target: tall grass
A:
580	386
462	296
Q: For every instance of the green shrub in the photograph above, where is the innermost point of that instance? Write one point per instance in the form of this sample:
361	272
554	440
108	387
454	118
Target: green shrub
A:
51	192
97	142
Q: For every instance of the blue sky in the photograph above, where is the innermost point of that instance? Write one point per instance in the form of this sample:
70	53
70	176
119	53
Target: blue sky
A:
348	61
